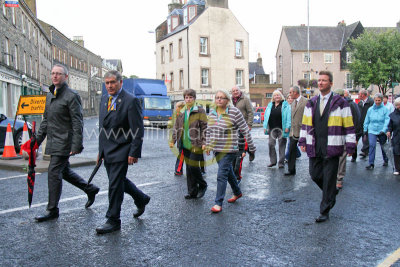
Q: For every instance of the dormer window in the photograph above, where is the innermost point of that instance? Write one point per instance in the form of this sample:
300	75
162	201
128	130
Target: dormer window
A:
192	10
185	16
169	24
174	22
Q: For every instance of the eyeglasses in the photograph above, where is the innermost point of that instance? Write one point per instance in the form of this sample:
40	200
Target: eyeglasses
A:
56	74
221	98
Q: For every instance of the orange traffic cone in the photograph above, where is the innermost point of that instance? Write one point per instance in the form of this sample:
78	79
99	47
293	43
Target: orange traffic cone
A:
25	136
9	150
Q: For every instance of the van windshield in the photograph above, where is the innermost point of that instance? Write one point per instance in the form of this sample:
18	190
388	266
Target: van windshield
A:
157	103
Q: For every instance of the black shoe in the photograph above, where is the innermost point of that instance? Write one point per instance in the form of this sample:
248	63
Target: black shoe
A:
91	197
203	173
252	156
322	218
190	196
363	155
140	210
385	164
271	165
370	167
290	173
108	227
280	166
353	160
50	215
202	192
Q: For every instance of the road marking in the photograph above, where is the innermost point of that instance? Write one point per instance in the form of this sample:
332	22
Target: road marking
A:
17	176
65	200
392	259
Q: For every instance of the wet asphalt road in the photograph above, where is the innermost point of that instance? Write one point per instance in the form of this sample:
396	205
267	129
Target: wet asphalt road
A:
271	225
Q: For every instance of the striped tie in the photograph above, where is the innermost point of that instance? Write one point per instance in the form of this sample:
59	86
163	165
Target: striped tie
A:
110	107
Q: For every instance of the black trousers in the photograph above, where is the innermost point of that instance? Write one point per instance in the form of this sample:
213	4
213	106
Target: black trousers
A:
195	180
292	155
323	172
117	185
59	169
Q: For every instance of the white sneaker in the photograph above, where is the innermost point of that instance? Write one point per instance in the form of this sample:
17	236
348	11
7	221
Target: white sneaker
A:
396	173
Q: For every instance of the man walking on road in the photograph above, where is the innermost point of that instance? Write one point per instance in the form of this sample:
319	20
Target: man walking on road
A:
325	142
120	144
297	107
365	103
63	125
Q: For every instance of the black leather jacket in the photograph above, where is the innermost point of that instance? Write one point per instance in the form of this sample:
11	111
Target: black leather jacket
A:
62	122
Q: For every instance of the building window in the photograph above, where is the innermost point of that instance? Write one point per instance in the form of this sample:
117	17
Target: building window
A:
162	55
328	58
192	12
307	76
71	60
348	57
238	48
65	58
203	46
268	95
306	57
4	9
31	65
29	30
59	55
174	22
36	69
171	52
181	79
204	77
239	77
180	48
25	63
185	16
349	81
54	52
23	23
7	52
172	80
13	15
16	57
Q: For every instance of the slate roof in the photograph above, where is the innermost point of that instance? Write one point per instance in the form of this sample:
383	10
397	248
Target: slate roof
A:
322	38
254	67
195	2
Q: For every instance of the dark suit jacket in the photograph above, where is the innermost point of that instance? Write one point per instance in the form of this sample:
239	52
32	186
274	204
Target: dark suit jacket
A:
363	110
121	130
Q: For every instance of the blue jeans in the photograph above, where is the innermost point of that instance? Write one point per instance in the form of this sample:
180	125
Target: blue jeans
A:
225	174
372	138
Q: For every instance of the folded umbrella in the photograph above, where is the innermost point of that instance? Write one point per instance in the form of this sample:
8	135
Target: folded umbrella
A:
95	171
31	147
387	147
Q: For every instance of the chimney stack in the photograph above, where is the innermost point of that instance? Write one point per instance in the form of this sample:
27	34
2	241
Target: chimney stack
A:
217	3
259	60
175	4
79	40
32	6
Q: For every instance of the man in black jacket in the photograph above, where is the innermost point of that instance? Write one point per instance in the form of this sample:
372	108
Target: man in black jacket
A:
63	125
365	103
120	144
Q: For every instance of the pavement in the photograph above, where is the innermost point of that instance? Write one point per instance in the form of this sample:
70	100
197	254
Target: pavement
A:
42	165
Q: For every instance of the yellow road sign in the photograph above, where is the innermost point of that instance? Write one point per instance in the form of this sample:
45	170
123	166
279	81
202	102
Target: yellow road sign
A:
31	104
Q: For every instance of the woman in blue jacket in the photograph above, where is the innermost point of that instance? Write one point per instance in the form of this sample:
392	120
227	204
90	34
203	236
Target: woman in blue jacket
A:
277	125
376	125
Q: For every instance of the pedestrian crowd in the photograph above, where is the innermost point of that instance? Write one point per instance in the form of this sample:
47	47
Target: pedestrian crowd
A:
327	127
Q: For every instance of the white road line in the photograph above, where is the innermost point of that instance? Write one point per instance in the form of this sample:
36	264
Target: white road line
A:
65	200
17	176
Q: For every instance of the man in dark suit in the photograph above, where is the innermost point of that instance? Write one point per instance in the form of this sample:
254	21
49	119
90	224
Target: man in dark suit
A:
365	103
297	108
120	144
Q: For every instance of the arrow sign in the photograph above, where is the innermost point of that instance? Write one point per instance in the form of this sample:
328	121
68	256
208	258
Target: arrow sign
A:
31	104
24	105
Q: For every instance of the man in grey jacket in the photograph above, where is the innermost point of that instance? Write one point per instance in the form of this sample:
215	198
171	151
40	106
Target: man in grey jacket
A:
63	125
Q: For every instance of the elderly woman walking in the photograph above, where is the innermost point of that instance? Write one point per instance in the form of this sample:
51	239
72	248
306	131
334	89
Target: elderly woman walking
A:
277	119
394	133
222	138
376	124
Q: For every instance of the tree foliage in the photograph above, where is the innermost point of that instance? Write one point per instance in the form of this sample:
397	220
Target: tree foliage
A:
375	59
130	77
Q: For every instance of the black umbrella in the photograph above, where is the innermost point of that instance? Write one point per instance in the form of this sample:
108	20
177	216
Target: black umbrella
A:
99	162
31	148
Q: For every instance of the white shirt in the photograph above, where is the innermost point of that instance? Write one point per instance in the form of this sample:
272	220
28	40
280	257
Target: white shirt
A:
325	98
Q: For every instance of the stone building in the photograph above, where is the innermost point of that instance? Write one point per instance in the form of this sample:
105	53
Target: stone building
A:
259	83
25	56
192	52
85	68
112	64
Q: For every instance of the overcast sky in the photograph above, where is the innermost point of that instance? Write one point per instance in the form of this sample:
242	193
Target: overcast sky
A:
120	29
